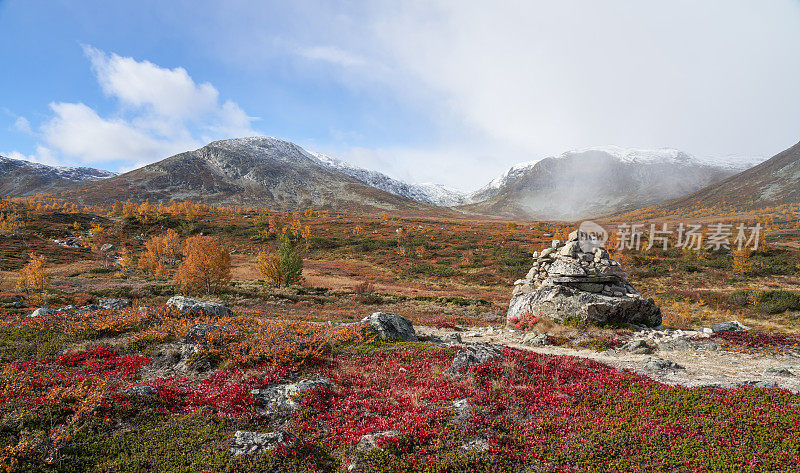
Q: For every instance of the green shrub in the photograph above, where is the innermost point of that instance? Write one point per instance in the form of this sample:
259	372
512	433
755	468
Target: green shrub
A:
432	270
776	302
739	298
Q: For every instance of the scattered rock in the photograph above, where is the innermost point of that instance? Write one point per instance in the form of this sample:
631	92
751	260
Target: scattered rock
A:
198	334
535	339
472	355
477	444
114	304
182	303
660	364
567	283
390	326
638	347
729	326
143	390
40	312
369	442
277	398
247	443
107	248
778	371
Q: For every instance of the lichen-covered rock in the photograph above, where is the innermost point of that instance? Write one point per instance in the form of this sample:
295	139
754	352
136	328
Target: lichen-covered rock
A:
198	334
390	326
567	283
660	364
114	304
182	304
472	355
729	326
535	339
40	312
277	398
371	442
247	443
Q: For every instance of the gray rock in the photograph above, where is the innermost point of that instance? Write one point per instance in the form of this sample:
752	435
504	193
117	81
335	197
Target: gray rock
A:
566	267
390	326
114	304
473	354
369	442
182	304
638	347
40	312
68	308
729	326
247	443
660	364
477	444
547	252
778	371
88	308
553	245
281	398
452	339
198	334
535	339
570	249
139	391
107	248
561	302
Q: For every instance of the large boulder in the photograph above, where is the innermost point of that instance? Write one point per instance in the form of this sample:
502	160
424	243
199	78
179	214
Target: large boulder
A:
390	326
40	312
568	283
185	304
729	326
198	333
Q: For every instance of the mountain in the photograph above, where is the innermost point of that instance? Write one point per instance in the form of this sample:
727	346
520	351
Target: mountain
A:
594	181
250	171
775	181
21	178
430	193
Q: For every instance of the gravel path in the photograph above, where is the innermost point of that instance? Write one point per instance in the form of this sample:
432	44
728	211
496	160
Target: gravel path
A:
702	361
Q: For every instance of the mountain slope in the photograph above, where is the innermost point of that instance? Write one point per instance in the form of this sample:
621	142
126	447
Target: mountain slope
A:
430	193
776	181
595	181
252	171
21	178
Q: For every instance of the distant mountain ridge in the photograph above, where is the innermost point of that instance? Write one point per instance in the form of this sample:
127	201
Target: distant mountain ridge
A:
595	181
430	193
250	171
20	178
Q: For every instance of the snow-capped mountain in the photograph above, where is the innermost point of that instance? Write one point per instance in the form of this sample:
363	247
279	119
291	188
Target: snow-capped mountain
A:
250	171
430	193
593	181
19	177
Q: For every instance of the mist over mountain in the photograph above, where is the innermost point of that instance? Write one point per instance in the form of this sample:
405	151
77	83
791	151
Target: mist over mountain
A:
20	178
594	181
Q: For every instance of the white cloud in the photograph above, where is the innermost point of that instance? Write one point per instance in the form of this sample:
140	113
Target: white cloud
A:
331	54
77	130
162	112
42	155
22	124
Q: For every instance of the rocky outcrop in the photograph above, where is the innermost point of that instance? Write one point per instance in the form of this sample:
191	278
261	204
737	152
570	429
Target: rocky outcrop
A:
182	304
277	398
567	283
247	443
390	326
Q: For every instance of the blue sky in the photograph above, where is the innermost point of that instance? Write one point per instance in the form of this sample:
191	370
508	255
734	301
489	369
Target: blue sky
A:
448	92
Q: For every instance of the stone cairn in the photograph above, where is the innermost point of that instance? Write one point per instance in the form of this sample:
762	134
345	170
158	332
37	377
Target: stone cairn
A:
566	283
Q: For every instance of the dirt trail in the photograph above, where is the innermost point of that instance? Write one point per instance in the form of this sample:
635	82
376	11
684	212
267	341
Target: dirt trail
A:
704	362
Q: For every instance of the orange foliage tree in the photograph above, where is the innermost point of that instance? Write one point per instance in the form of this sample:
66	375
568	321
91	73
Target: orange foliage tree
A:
33	276
162	252
206	265
269	265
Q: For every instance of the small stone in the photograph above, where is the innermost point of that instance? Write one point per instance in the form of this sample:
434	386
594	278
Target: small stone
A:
778	371
478	444
554	244
638	347
114	304
182	303
139	391
535	339
40	312
729	326
472	355
280	398
661	364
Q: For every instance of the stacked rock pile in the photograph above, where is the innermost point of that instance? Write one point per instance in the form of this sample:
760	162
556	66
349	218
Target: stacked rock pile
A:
566	283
